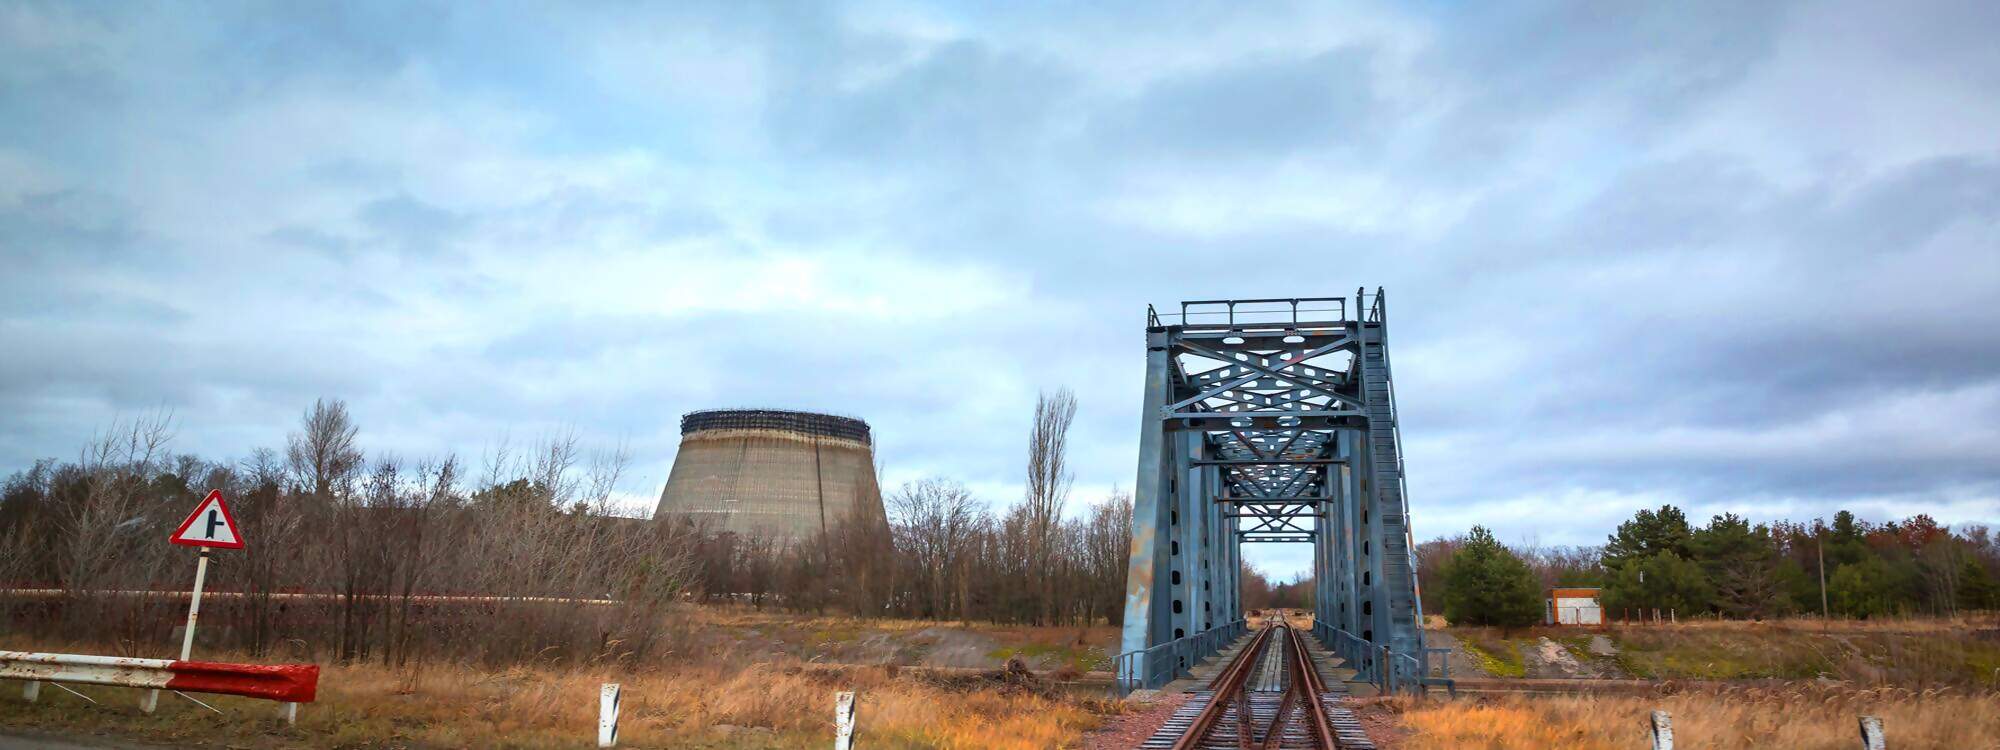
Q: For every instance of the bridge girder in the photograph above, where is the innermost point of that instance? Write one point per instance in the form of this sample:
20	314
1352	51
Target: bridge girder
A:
1266	421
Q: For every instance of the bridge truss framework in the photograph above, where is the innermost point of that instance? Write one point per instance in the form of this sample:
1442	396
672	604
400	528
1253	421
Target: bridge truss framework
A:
1270	421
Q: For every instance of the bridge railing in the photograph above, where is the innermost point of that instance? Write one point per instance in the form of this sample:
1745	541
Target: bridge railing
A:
1389	671
1161	664
1224	314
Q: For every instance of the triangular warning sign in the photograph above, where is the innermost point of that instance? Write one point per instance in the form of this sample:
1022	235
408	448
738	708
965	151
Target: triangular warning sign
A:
209	526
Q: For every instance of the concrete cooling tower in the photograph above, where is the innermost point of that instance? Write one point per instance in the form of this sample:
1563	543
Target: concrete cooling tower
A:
786	475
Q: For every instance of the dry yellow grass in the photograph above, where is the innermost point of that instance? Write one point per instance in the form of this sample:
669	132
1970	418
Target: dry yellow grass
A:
1904	624
1801	717
708	706
828	638
718	682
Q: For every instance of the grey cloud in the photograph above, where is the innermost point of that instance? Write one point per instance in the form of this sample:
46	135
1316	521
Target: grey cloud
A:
1652	62
1259	109
269	44
1615	301
311	239
963	104
411	223
72	226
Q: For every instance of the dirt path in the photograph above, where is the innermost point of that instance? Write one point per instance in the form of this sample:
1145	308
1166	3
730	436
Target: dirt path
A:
1382	719
1462	663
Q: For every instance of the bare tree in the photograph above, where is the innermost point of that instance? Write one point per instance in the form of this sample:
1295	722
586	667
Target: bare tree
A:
100	529
934	519
322	455
555	461
1049	479
1107	549
1940	564
601	479
274	520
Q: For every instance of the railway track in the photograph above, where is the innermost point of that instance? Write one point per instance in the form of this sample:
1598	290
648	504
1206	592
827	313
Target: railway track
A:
1269	697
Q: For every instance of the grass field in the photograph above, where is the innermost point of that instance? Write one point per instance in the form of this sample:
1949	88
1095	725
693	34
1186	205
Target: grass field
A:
737	679
905	642
1802	716
710	706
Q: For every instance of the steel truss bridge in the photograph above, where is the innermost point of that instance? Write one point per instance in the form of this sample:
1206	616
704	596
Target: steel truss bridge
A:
1270	421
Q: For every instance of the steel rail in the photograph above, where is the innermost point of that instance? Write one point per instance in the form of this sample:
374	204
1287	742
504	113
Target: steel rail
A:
1307	681
1230	688
1227	687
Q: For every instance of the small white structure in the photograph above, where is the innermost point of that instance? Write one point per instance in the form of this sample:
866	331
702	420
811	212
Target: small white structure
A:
1573	606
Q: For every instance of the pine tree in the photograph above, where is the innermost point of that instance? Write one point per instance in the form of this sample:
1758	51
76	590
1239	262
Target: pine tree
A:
1976	588
1647	534
1486	584
1740	562
1664	581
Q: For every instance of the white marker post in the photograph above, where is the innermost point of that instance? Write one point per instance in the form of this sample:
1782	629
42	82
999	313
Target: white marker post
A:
607	715
210	525
1871	734
843	720
1663	731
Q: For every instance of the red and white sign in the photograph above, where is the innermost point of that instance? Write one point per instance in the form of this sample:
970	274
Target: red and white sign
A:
209	526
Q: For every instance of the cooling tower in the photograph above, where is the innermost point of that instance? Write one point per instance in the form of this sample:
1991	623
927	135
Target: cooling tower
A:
785	475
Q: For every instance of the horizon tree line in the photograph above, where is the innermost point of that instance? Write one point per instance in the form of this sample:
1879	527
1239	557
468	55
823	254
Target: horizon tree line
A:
1730	568
350	554
356	557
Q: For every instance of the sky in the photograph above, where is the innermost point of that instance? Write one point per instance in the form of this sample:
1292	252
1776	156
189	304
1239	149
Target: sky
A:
1737	257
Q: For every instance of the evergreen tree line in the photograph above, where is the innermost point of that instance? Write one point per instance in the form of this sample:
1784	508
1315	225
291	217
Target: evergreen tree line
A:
1728	568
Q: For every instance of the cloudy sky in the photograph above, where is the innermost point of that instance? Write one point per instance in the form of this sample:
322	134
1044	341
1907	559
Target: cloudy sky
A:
1742	257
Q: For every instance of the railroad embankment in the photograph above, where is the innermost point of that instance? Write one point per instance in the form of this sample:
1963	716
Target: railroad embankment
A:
1959	652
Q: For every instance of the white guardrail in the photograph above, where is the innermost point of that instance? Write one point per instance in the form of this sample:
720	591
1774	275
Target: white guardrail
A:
289	684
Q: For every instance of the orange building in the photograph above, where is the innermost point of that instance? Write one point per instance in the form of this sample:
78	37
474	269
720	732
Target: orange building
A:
1573	606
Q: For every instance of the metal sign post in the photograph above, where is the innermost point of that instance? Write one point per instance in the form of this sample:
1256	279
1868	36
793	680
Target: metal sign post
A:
210	525
152	700
194	605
